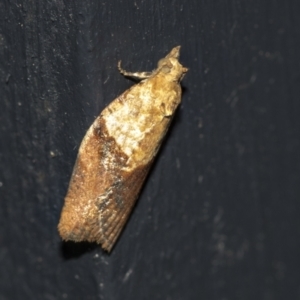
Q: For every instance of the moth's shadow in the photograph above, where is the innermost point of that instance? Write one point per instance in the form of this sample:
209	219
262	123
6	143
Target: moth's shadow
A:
71	250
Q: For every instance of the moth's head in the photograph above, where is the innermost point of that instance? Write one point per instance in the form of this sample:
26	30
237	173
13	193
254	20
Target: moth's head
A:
170	66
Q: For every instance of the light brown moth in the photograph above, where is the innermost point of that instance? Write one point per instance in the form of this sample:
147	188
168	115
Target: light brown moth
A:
116	155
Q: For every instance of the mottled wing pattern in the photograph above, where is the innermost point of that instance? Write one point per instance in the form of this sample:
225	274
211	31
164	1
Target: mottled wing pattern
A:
111	192
115	209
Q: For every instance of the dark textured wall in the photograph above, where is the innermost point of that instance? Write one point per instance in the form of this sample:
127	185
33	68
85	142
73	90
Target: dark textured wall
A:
218	217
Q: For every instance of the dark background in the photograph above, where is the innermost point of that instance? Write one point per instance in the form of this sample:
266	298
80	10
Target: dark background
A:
218	217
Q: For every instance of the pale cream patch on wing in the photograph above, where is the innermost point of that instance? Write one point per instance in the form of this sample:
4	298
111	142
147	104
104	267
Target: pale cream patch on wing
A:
129	123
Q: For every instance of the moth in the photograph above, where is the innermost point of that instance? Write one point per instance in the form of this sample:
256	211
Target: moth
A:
117	152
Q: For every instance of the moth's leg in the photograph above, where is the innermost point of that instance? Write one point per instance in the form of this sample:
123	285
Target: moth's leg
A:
134	75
